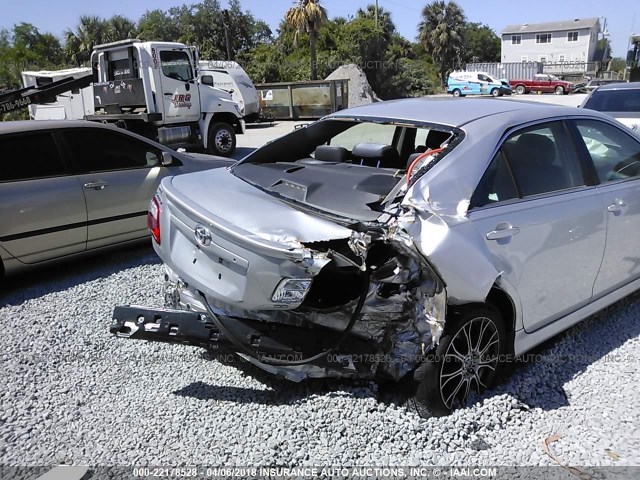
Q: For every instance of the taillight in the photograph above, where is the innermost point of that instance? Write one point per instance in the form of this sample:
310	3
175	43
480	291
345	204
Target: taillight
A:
153	219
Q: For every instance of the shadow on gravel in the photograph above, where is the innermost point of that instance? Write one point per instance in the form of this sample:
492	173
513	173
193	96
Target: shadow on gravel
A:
538	378
282	393
58	277
277	391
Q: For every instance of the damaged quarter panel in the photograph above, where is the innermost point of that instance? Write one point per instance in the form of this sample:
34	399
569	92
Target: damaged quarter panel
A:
440	225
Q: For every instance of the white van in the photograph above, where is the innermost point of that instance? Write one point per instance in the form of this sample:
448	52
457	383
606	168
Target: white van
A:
460	84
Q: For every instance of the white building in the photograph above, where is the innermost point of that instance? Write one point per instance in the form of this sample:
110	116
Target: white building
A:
566	45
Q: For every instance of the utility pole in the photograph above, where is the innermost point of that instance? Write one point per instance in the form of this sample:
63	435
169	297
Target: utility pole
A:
376	14
227	33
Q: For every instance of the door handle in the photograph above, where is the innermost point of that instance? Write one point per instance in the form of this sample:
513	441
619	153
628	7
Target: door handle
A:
503	231
96	185
617	205
168	94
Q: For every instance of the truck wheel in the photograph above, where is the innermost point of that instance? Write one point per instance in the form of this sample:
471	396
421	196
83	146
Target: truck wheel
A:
520	89
495	92
559	90
466	360
457	93
222	139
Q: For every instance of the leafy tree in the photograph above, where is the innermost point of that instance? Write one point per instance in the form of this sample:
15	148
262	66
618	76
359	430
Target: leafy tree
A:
441	30
36	47
25	48
481	44
263	63
603	50
307	16
91	30
156	24
617	64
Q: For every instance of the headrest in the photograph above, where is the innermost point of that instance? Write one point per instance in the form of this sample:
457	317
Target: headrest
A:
328	153
435	138
536	149
376	155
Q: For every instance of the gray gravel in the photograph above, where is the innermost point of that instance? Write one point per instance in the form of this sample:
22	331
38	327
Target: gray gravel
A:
74	394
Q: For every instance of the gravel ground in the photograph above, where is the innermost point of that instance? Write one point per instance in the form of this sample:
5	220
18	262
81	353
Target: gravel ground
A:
74	394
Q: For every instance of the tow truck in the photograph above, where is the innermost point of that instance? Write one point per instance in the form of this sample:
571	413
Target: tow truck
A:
150	88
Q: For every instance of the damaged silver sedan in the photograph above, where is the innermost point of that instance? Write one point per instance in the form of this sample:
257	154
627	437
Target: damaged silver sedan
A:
433	238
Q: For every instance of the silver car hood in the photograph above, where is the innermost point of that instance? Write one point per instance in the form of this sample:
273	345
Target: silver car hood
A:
248	208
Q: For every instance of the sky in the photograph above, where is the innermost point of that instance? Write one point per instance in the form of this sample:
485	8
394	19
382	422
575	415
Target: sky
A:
623	16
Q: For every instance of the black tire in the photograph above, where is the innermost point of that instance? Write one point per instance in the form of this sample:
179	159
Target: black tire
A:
456	92
559	90
520	90
448	375
495	92
221	139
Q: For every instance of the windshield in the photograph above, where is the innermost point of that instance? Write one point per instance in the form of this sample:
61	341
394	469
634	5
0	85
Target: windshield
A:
344	166
627	100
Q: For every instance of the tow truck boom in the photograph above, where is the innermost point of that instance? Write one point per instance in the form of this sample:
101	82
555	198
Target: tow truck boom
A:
17	99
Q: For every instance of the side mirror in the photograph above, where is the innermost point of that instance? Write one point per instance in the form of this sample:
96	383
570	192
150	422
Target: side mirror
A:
207	80
167	159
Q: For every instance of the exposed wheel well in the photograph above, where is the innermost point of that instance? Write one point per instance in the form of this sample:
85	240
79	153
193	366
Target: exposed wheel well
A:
499	300
503	303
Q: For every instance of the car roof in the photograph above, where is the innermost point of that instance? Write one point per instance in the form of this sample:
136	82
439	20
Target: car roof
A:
454	112
619	86
35	125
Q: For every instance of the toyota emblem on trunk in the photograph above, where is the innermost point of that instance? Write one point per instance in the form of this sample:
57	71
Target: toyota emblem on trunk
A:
203	235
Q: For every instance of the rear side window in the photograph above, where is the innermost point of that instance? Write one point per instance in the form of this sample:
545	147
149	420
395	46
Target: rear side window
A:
497	184
532	161
28	156
543	159
615	155
627	100
96	150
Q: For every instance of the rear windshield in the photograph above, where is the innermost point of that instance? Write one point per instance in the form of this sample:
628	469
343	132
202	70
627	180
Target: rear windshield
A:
627	100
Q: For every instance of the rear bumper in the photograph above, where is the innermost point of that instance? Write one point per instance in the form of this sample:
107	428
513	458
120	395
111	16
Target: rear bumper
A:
276	348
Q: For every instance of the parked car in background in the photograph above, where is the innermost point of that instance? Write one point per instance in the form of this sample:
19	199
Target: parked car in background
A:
466	232
70	187
620	100
542	82
460	84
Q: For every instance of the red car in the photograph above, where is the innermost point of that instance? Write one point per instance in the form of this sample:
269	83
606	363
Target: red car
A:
542	82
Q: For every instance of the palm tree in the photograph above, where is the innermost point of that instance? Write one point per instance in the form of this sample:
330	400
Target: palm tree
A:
90	31
120	28
441	33
385	24
306	16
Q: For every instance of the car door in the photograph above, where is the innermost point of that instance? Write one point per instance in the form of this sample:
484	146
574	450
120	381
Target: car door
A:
544	228
42	209
180	94
615	154
119	175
